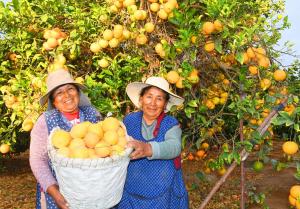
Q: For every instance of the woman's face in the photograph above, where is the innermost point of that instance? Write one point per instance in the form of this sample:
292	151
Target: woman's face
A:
153	102
66	98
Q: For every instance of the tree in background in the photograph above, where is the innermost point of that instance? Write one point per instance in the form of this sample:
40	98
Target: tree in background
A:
217	54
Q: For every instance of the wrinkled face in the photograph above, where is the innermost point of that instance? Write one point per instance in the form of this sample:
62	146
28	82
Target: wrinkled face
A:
153	102
66	98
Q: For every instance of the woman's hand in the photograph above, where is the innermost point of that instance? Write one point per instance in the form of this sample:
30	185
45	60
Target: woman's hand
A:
140	149
59	199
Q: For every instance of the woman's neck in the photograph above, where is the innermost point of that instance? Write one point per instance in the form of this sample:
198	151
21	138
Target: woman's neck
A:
148	120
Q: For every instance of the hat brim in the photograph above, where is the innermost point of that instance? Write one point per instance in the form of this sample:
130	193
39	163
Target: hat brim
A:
44	99
133	91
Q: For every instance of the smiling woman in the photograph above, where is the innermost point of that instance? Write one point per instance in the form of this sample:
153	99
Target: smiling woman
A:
67	106
154	175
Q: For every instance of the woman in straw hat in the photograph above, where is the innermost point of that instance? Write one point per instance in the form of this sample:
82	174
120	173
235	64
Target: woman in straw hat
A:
67	105
154	176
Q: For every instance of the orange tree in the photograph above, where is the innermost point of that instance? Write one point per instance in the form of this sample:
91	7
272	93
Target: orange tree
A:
217	54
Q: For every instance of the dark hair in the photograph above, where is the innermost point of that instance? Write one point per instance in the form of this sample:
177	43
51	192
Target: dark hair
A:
144	91
51	98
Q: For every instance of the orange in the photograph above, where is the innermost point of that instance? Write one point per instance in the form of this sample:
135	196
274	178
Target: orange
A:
91	139
27	124
222	171
292	200
113	43
179	83
290	147
103	63
162	14
95	47
226	82
141	39
193	39
279	75
200	153
289	109
210	105
245	58
209	46
108	34
218	25
111	137
253	70
61	138
257	166
154	7
52	42
126	34
173	76
297	204
190	156
149	27
295	191
265	83
264	62
251	52
127	3
205	145
110	124
208	28
4	148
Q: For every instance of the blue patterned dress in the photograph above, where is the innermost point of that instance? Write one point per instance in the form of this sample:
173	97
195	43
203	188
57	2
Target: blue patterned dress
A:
55	119
152	184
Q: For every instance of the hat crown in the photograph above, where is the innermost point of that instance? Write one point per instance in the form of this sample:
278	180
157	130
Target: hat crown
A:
58	78
158	82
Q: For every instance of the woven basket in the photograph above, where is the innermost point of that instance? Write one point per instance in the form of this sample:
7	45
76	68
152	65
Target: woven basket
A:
90	183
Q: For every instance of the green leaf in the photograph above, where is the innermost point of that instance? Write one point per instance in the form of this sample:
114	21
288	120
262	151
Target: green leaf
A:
218	46
16	5
297	176
296	127
193	103
239	57
44	18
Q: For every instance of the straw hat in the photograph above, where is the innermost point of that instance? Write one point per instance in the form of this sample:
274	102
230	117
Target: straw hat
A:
58	78
133	91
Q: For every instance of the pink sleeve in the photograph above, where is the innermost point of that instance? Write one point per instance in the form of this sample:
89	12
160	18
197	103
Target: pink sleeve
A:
38	157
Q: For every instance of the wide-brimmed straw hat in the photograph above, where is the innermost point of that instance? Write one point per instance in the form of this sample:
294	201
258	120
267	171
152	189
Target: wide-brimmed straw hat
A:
133	91
59	78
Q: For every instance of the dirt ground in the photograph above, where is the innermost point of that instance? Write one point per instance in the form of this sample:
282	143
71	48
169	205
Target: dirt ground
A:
17	184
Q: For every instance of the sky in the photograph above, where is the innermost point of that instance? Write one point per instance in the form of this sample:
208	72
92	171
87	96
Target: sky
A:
292	34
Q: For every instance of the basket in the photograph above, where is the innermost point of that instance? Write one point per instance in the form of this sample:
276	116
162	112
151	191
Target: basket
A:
90	183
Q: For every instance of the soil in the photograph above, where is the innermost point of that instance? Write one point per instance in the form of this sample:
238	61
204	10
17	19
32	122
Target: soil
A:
17	184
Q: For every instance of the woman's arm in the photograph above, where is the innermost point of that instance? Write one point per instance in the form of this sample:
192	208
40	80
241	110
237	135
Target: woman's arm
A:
38	158
39	162
170	148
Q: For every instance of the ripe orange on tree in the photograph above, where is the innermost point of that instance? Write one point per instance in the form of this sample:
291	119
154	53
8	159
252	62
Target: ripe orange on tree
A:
290	147
190	156
4	148
201	153
279	75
